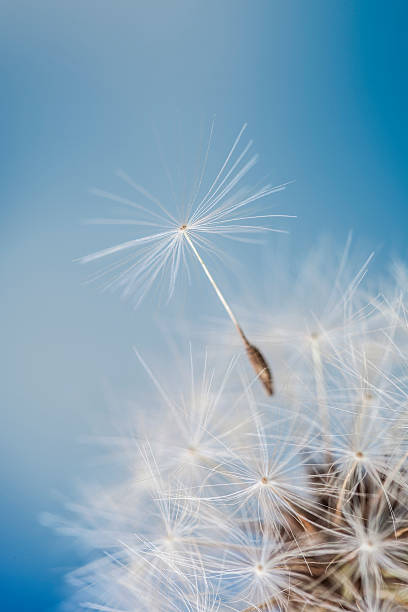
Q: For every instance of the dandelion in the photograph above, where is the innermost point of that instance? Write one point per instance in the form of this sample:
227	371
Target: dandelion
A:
231	503
226	209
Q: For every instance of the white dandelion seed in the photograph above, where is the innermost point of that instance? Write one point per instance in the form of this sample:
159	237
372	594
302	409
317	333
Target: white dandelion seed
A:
199	425
226	209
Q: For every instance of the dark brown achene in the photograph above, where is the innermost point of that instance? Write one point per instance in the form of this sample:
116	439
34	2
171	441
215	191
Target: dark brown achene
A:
260	366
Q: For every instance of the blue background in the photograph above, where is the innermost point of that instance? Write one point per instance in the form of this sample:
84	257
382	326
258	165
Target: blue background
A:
85	86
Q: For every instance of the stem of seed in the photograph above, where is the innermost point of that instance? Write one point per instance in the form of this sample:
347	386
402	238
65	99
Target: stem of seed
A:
255	356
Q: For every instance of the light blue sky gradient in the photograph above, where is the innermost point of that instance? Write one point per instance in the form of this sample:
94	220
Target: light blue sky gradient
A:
85	88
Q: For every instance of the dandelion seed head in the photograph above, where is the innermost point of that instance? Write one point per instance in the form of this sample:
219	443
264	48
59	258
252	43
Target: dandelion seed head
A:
235	503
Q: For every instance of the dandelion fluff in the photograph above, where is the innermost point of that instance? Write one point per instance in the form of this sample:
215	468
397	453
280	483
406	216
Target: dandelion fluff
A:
230	502
235	504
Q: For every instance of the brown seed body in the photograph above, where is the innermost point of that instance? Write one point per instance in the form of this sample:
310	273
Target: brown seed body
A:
261	367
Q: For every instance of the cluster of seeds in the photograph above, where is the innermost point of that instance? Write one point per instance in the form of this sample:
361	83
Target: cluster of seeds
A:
234	501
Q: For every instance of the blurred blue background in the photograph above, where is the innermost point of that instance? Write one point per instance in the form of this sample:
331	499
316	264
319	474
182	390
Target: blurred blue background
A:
85	88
